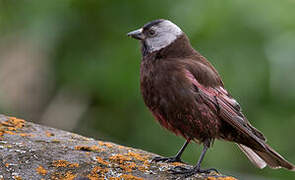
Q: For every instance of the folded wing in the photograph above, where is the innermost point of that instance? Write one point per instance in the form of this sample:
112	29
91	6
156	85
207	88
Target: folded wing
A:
250	140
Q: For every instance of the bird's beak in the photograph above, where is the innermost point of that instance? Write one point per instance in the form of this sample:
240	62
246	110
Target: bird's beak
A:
137	34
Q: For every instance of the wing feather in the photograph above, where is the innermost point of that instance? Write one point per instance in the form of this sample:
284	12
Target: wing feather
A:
220	101
227	108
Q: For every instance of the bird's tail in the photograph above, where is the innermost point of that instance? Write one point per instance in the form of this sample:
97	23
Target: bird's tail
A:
267	156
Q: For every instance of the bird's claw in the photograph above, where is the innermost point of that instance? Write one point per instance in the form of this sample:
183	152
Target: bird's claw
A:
167	159
191	171
178	169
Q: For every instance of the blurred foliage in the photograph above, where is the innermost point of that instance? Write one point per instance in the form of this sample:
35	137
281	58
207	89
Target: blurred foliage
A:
251	44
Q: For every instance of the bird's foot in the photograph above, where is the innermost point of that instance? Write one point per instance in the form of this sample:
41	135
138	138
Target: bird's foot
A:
167	159
191	171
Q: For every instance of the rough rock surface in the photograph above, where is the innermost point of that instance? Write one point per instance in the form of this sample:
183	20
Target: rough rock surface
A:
30	151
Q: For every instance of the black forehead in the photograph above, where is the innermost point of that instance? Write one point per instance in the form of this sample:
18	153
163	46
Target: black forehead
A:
152	23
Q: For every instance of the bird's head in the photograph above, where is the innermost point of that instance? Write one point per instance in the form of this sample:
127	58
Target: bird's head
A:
156	35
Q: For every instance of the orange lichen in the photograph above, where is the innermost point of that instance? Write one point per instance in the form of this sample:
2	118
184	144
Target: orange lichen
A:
10	132
41	170
61	176
15	122
109	145
101	161
83	148
122	147
123	162
11	126
137	156
129	166
93	148
60	163
74	165
145	166
64	163
97	173
114	178
69	176
211	178
49	134
176	164
140	157
17	178
119	158
25	134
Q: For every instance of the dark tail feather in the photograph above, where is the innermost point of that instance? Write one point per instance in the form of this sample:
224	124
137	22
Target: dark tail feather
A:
268	156
274	159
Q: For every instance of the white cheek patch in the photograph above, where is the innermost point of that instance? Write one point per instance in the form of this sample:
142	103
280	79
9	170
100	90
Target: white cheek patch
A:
167	32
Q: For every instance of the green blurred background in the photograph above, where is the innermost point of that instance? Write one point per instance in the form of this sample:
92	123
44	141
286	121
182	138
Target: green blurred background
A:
68	64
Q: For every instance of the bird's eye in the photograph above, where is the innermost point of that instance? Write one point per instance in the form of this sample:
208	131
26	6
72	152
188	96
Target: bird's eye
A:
151	32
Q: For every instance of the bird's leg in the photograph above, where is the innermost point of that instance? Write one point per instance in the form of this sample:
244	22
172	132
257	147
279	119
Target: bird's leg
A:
197	168
176	158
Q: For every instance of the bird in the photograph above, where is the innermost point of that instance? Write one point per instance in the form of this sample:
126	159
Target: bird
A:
186	95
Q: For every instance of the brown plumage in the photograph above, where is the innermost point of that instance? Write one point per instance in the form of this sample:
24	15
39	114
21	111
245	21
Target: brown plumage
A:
187	96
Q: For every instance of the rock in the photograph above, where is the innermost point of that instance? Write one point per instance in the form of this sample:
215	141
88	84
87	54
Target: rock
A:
30	151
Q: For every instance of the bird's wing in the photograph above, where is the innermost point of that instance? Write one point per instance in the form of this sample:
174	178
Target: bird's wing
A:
218	100
227	108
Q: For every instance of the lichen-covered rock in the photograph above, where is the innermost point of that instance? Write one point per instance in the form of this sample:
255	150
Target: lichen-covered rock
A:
29	151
